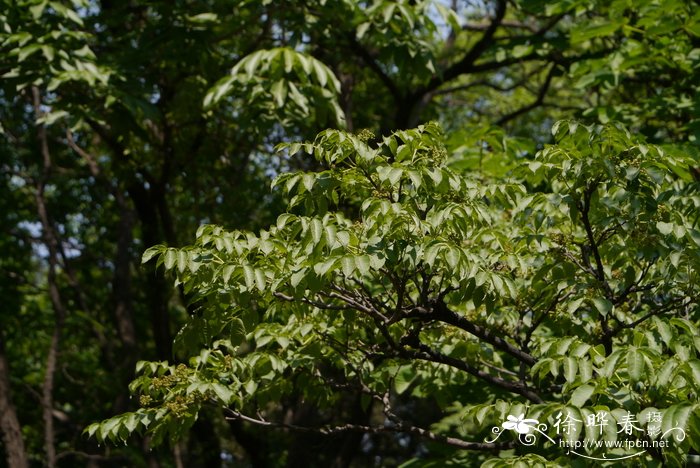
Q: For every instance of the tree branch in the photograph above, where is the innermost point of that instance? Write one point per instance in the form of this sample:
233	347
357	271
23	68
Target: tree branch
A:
585	209
465	65
374	66
486	83
537	322
425	353
346	296
537	102
392	429
622	326
317	304
444	314
504	23
635	287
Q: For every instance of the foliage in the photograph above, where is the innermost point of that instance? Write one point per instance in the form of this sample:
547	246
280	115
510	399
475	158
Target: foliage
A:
127	124
263	76
393	276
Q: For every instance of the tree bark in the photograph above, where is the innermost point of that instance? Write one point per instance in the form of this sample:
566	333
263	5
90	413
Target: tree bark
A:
157	287
53	246
122	295
121	284
9	423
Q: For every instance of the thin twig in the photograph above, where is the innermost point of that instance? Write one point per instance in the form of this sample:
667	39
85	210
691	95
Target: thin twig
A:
342	428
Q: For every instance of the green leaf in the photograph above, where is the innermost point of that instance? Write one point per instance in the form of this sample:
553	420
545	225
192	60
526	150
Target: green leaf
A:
635	364
260	279
131	422
279	92
237	331
26	51
603	305
676	416
37	10
203	18
664	330
610	363
323	267
108	429
249	276
169	258
388	11
570	368
664	228
694	366
585	368
297	276
224	393
316	230
343	237
362	29
182	261
521	50
363	264
581	395
390	174
308	181
590	31
348	265
403	379
150	253
91	429
216	93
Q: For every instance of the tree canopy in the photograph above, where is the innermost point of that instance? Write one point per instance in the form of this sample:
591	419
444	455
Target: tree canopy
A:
393	277
479	210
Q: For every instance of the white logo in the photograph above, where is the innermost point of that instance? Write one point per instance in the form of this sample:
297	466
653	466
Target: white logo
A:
567	426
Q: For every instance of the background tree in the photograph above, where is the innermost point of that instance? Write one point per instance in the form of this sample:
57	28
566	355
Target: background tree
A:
124	126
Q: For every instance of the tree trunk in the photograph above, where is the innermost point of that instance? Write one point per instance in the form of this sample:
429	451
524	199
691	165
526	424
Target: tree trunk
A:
53	246
157	297
9	424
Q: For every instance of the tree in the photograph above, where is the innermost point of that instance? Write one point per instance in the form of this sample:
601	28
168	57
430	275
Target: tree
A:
129	124
395	280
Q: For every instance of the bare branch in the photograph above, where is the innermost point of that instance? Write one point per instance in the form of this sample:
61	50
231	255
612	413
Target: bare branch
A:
504	23
374	66
89	159
347	297
465	65
537	102
487	84
393	429
320	305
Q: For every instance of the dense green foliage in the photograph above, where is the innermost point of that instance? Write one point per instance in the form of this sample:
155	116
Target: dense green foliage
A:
394	277
378	302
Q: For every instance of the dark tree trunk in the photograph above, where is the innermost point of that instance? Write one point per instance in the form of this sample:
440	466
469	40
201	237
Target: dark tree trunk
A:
122	298
9	424
53	245
156	287
204	449
254	445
